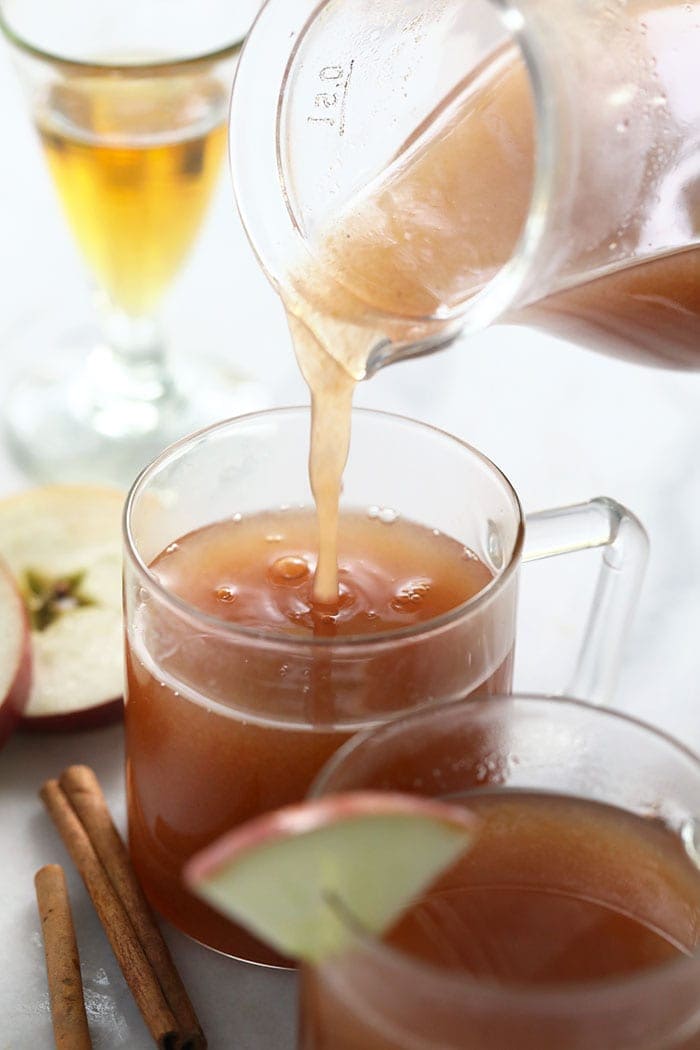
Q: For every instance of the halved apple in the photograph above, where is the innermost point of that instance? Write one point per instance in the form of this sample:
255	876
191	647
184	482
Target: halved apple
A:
15	655
62	544
306	878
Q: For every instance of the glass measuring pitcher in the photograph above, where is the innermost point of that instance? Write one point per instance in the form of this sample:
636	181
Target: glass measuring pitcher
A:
412	170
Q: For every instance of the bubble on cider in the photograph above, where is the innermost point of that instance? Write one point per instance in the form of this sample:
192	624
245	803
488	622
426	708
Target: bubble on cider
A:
291	568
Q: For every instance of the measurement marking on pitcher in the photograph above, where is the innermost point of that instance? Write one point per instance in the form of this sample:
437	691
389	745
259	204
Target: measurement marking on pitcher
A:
334	101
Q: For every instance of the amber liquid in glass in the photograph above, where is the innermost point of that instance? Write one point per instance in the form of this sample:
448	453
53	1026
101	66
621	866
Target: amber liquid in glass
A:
135	162
555	891
257	726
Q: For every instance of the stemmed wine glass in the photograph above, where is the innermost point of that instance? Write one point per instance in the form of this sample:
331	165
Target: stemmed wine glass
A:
130	100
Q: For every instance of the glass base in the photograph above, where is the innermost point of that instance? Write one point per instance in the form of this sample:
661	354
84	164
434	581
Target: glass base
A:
80	417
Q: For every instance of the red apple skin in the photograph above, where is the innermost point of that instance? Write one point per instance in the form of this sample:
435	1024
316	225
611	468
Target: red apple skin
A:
15	700
96	717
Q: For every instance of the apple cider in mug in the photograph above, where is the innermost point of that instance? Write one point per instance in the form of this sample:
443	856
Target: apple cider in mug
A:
557	893
571	920
203	760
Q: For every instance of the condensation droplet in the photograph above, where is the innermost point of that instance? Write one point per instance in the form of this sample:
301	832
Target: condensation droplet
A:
274	537
237	518
172	547
387	516
494	547
283	671
373	512
290	569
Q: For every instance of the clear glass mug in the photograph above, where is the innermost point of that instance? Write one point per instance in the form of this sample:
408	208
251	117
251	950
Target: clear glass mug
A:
226	721
378	997
573	210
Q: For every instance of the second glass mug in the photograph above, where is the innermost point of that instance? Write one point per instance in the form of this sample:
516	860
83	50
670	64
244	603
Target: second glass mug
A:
592	774
427	168
225	721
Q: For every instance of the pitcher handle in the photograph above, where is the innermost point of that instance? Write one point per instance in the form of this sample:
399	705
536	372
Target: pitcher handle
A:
604	523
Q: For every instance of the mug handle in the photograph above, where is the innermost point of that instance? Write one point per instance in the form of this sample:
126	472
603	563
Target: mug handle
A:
604	523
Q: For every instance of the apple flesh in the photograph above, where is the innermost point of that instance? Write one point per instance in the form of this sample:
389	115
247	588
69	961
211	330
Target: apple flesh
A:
62	544
15	655
305	878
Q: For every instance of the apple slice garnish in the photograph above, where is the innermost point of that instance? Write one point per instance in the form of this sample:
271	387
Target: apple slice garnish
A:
304	877
62	544
15	655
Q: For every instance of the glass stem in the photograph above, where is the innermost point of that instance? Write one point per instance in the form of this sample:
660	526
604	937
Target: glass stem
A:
132	363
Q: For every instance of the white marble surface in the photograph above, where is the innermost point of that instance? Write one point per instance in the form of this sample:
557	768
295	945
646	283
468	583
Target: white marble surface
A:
563	424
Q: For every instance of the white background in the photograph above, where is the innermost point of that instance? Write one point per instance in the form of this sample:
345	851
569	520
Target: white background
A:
563	424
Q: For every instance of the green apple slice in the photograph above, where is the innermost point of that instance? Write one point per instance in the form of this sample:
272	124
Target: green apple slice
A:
303	877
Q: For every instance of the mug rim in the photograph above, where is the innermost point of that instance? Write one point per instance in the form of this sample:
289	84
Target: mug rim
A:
276	639
443	982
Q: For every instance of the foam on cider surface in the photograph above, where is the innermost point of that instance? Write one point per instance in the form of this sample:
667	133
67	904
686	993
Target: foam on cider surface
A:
258	572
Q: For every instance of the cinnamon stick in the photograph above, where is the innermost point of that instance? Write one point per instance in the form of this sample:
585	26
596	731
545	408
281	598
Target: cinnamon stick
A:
70	1027
110	910
84	793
